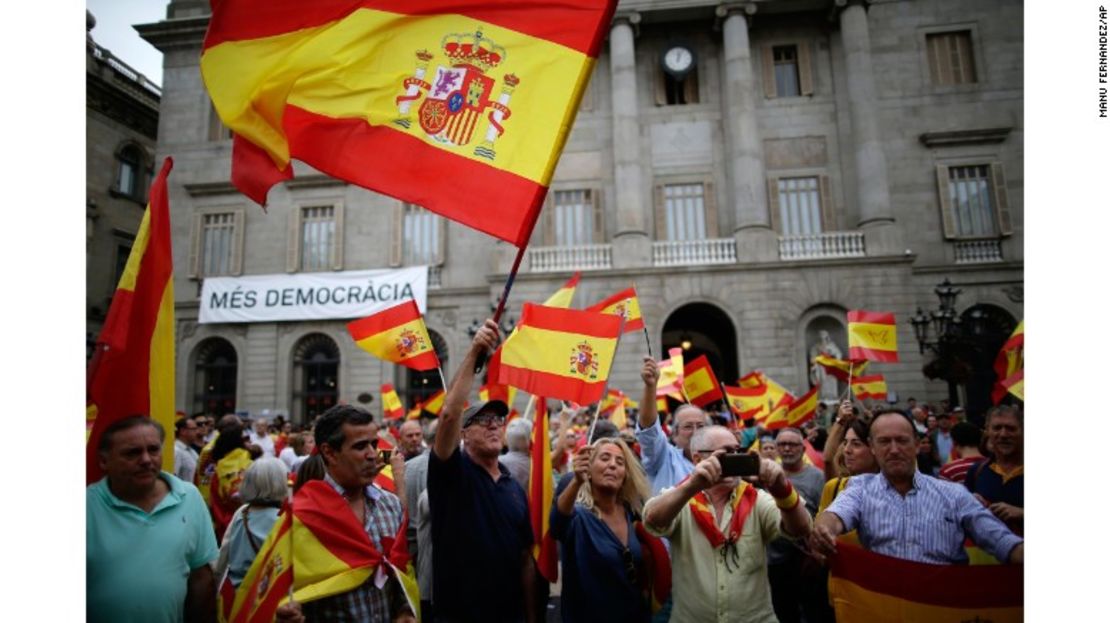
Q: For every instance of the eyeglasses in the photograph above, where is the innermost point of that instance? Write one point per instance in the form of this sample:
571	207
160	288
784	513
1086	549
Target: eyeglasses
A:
727	449
486	419
692	426
629	565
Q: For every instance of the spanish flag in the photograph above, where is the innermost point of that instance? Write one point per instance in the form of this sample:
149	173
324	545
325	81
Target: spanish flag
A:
865	586
625	304
541	494
661	405
840	368
320	549
434	403
132	369
1015	384
747	402
560	353
700	383
873	387
392	409
872	336
777	419
670	376
493	391
458	106
398	335
384	479
564	295
1010	360
803	409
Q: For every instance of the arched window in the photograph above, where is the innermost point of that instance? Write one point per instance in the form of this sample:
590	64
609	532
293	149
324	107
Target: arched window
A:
129	168
315	376
214	377
703	329
419	385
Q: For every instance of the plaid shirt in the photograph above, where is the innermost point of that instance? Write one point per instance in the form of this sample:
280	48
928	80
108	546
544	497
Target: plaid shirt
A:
367	603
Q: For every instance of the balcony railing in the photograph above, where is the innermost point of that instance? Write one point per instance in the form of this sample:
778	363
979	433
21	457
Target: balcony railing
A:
828	245
693	252
579	257
978	251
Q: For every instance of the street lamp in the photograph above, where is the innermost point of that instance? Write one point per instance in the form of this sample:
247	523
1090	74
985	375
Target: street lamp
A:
506	325
951	340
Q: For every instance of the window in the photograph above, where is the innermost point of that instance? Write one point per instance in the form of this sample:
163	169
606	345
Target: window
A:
973	201
123	252
420	236
315	376
800	205
685	211
787	70
128	171
573	218
217	246
217	131
214	377
951	60
317	238
672	91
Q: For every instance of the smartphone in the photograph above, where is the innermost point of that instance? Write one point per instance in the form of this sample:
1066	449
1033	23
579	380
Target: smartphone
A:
739	464
386	455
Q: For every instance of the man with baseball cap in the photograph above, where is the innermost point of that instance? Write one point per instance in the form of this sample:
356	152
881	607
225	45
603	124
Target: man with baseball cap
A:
481	531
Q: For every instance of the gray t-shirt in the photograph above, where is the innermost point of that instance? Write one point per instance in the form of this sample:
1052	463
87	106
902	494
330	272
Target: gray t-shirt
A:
808	483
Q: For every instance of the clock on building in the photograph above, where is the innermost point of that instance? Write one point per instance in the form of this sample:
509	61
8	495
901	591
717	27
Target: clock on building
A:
678	60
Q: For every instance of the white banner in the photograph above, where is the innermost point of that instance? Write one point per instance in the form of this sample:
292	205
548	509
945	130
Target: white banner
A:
310	296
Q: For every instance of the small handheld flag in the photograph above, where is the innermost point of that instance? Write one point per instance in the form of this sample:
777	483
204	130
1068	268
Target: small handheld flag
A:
700	383
872	336
398	335
392	409
623	303
873	387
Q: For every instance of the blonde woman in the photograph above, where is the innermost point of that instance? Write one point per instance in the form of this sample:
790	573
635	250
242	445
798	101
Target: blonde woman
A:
612	569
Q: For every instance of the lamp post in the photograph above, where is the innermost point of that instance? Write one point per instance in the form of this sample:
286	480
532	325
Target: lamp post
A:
506	325
951	339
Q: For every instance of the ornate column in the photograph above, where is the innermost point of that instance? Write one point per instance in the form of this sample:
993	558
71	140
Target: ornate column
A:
876	217
632	244
755	240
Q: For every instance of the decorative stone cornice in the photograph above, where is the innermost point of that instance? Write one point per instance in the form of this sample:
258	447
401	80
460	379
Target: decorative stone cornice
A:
725	9
174	34
980	136
208	189
632	18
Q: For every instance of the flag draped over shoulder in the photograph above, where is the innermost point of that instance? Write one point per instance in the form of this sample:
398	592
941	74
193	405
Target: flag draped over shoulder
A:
700	383
873	386
872	336
1009	363
865	586
560	353
132	370
624	303
541	494
392	409
321	549
458	106
398	335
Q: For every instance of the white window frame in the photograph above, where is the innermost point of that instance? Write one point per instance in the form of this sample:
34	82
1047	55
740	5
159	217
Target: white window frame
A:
235	252
294	258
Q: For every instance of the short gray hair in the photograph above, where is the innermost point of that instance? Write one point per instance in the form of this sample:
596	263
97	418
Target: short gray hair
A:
266	480
697	441
519	434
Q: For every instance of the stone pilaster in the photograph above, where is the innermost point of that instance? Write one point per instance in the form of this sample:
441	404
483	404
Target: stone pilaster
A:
632	244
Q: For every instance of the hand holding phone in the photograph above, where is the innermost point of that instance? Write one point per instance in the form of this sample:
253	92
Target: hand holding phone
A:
739	464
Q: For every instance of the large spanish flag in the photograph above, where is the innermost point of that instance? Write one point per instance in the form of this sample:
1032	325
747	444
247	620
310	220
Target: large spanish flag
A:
841	369
397	334
541	494
459	106
625	304
392	409
700	383
560	353
872	336
747	402
321	549
1010	360
132	370
873	386
670	376
868	587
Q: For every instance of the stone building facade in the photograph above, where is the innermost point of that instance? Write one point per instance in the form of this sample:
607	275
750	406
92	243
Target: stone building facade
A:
121	121
756	169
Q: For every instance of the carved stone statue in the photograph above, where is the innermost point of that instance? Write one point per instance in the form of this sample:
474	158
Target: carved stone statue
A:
830	386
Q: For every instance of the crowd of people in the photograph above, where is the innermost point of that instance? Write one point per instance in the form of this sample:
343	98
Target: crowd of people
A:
651	521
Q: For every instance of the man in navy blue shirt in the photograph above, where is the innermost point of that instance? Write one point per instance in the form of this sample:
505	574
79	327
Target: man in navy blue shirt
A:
481	531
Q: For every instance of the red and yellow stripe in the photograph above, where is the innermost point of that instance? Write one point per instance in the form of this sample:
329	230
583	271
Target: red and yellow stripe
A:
297	81
624	303
670	376
841	369
132	370
747	402
541	493
1010	361
865	586
873	387
434	403
398	335
803	409
560	353
872	336
564	295
700	383
392	409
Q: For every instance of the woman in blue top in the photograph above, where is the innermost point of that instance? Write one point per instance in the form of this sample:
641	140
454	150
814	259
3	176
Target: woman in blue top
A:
594	518
264	488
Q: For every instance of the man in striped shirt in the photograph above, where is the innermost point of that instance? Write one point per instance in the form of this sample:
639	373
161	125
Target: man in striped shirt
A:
902	513
965	438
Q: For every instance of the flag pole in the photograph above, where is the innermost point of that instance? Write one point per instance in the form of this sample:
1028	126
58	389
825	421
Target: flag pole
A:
605	390
851	366
441	379
531	405
647	338
482	357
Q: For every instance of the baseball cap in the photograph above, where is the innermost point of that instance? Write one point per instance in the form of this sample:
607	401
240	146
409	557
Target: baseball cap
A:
490	406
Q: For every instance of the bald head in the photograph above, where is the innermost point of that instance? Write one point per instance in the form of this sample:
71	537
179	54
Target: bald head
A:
410	437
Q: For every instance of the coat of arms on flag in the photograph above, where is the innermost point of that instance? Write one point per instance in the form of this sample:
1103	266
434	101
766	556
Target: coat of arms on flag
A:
459	92
410	342
583	361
